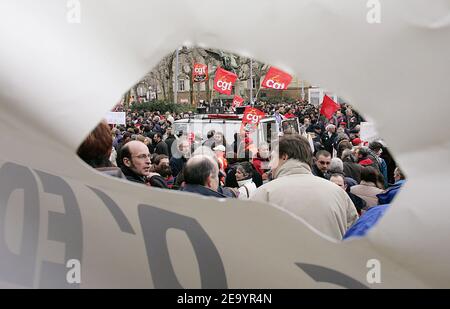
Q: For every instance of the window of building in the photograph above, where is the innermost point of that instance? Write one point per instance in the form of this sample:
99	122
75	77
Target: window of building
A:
254	82
181	85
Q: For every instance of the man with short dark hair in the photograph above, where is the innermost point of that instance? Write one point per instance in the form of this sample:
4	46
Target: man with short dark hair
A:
161	172
169	140
201	176
363	158
161	146
375	151
161	165
294	188
322	163
210	139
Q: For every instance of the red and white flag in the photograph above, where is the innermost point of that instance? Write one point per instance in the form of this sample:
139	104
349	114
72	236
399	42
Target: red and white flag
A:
276	79
200	73
237	101
224	81
252	116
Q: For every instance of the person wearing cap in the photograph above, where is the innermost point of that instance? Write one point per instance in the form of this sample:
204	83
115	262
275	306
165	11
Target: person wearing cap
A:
343	126
317	137
362	154
220	153
357	142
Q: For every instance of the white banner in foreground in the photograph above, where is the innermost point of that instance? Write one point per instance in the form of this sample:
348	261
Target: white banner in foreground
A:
64	225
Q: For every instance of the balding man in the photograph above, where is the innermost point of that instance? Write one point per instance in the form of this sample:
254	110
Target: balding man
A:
329	137
201	176
134	160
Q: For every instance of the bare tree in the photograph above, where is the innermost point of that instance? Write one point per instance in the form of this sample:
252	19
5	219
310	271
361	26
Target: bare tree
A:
163	73
189	55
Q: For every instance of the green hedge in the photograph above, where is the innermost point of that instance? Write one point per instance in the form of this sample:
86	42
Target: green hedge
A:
162	106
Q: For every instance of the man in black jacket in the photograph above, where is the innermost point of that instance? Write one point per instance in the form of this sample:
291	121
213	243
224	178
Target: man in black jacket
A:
169	141
321	165
134	161
329	138
161	146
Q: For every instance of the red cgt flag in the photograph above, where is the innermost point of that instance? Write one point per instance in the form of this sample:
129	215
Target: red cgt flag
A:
276	79
200	73
329	107
237	101
224	81
251	118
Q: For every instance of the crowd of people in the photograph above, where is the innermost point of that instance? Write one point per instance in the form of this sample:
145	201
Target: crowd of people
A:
341	188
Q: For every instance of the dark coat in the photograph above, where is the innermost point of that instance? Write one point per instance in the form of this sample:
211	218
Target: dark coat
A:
161	148
112	171
176	165
132	176
358	202
328	141
316	172
202	190
158	181
353	170
169	141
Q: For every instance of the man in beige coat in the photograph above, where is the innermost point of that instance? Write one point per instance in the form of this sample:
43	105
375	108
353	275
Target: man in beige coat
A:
318	201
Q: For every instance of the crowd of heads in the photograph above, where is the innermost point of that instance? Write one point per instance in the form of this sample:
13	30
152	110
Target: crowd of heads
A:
146	150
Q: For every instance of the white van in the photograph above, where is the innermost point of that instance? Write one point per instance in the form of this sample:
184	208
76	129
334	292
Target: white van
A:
268	130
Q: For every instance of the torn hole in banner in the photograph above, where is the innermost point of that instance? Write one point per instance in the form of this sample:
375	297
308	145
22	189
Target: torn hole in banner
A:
236	109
